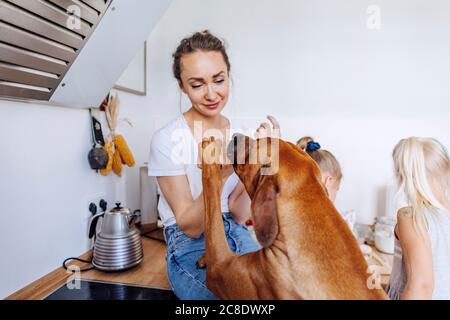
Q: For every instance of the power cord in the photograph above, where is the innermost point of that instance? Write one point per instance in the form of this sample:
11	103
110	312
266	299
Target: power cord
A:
149	235
78	259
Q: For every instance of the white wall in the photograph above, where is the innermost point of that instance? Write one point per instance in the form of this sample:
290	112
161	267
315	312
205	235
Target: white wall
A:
313	64
45	188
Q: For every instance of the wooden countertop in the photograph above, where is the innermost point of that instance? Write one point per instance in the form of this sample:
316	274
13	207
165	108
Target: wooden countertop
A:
151	272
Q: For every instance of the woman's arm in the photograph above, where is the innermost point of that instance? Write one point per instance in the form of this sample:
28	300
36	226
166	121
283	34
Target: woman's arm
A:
239	203
188	212
417	257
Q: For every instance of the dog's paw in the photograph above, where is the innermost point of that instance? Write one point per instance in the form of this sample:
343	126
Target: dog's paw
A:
211	151
201	263
211	158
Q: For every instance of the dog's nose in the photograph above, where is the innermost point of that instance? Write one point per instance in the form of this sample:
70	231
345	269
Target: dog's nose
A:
236	140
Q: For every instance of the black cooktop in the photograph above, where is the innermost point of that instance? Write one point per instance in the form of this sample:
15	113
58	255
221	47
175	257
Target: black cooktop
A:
93	290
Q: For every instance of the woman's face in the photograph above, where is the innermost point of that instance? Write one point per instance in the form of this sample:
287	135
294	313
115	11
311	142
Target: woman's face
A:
204	78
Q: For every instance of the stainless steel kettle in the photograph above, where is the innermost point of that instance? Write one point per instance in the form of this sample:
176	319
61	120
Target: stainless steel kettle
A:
118	245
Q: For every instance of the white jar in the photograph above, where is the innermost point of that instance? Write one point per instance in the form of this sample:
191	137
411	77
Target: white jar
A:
384	234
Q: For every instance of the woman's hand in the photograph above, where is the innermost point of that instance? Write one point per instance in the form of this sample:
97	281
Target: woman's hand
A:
265	130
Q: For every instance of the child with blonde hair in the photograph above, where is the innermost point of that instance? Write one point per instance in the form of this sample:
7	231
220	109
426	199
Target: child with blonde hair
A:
330	170
329	166
422	245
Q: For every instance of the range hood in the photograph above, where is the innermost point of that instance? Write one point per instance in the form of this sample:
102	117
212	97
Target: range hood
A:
70	52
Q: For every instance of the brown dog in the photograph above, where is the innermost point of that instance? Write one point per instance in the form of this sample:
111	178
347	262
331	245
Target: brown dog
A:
308	251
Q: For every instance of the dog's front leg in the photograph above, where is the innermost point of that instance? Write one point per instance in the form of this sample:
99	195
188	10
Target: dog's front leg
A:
217	248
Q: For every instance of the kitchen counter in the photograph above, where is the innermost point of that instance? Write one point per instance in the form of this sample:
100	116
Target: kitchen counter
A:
151	272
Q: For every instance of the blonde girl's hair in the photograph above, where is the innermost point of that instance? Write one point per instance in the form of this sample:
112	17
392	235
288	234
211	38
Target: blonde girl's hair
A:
418	162
325	159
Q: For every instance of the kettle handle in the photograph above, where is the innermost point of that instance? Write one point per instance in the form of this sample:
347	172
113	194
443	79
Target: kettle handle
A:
93	224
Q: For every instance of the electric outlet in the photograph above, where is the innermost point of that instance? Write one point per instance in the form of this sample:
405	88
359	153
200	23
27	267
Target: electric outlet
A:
95	200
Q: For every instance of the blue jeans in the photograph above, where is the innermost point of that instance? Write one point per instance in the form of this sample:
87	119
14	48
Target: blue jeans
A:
189	282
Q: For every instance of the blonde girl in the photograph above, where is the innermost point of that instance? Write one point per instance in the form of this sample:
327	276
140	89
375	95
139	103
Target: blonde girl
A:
421	268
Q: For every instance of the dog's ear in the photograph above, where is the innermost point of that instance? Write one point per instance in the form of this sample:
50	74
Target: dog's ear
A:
264	205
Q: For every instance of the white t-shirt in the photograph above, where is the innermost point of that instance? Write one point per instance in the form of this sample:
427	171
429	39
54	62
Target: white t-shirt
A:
174	152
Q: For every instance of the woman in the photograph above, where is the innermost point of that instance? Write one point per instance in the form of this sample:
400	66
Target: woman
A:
422	245
201	67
